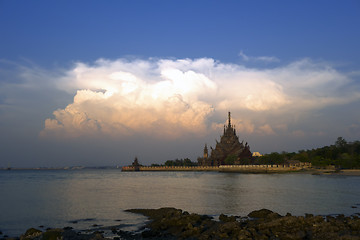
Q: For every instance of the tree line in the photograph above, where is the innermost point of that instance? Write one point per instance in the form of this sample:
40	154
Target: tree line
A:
177	162
342	154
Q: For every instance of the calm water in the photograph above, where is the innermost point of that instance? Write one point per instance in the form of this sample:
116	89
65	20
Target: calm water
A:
57	198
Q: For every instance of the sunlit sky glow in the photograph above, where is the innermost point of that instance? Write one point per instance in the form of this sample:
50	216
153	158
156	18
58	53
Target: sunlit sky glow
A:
93	84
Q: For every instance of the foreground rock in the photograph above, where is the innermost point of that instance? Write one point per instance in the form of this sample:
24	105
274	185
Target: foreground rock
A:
171	223
57	234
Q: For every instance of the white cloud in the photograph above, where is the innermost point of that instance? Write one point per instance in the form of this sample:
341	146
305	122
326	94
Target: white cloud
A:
173	97
266	59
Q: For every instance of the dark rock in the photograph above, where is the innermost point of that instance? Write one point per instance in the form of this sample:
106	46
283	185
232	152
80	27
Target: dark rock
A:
52	234
225	218
263	213
244	234
150	234
353	206
171	224
128	235
31	233
330	218
70	234
97	236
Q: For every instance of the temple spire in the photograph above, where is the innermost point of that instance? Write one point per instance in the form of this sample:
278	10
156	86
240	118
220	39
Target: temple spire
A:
229	119
206	151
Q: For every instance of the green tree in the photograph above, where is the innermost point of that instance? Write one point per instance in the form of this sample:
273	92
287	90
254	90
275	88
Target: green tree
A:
340	142
302	156
169	163
272	158
230	160
187	162
246	161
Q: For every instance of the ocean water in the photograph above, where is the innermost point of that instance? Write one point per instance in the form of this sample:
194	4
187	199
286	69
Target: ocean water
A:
82	198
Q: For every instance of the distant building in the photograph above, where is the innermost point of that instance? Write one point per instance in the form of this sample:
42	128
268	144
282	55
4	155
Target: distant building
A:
136	164
229	149
256	154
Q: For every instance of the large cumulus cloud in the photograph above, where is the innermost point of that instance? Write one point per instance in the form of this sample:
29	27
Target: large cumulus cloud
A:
173	97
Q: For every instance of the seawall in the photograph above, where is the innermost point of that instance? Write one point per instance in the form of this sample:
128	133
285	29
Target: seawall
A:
223	168
259	168
172	168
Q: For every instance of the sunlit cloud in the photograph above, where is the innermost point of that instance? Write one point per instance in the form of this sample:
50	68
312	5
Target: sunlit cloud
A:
298	133
173	97
266	129
241	125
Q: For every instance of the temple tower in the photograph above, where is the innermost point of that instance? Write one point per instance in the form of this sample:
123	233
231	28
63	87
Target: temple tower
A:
229	119
226	149
206	153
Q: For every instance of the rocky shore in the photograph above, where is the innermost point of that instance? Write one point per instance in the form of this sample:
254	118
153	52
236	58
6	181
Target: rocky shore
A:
171	223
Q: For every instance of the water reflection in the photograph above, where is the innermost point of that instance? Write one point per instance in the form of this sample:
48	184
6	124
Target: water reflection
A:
55	198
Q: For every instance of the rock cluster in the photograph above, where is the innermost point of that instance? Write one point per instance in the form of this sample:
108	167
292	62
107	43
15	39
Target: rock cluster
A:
171	223
57	234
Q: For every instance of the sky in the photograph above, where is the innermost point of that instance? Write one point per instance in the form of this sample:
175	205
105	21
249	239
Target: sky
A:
98	83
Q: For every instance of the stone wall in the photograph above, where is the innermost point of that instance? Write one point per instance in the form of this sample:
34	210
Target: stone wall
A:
224	168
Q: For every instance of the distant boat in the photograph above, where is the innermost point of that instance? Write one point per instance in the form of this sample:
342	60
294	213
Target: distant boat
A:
8	168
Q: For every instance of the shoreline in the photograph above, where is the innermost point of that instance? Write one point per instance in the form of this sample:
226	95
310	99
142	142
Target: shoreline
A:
222	169
342	172
172	223
250	169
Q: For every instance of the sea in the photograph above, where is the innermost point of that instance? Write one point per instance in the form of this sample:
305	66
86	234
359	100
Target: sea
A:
89	198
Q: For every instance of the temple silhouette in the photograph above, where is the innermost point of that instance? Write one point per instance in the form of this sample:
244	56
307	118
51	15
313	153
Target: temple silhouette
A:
228	151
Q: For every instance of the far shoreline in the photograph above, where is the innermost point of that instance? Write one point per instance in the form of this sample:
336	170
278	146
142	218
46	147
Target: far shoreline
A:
247	169
234	169
342	172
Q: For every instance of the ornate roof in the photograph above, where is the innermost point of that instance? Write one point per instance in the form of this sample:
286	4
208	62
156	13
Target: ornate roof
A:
229	145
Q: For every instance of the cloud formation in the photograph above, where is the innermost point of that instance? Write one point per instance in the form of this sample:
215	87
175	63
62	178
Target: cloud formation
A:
174	97
266	59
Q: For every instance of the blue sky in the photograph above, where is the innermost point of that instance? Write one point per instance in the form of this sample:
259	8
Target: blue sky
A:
62	31
288	70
